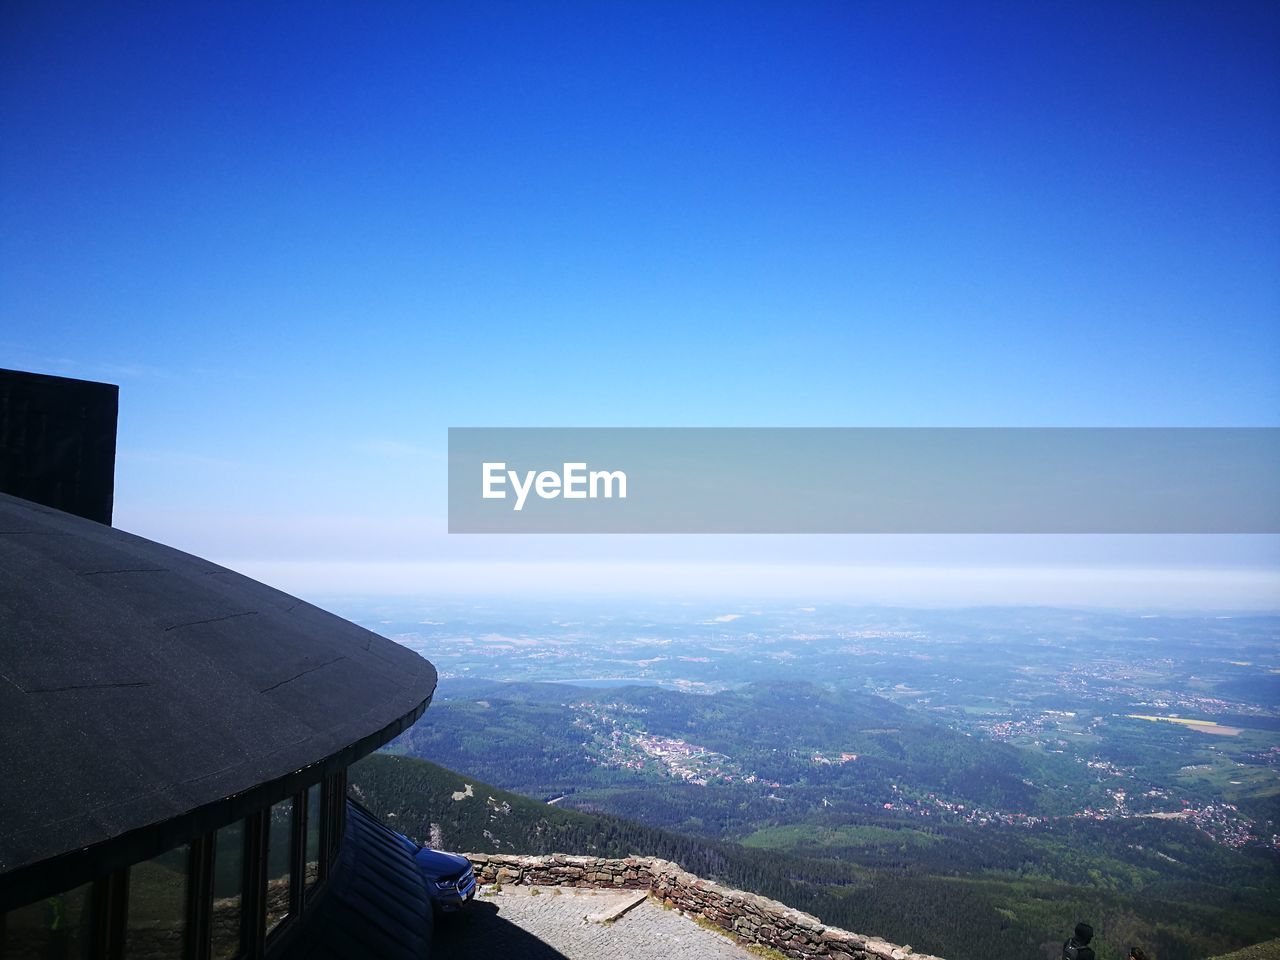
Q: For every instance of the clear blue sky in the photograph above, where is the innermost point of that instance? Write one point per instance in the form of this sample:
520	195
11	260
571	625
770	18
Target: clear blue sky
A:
307	238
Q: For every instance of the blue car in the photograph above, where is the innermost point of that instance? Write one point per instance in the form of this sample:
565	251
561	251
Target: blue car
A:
450	880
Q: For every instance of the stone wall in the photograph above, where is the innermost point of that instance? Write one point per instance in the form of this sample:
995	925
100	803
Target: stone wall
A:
749	918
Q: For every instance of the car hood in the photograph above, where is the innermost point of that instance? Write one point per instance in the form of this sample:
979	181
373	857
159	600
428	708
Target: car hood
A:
435	863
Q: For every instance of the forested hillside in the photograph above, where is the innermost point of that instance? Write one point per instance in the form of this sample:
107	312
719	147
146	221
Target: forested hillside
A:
1269	950
952	894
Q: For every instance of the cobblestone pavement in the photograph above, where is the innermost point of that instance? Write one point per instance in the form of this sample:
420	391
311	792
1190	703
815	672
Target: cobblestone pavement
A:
551	925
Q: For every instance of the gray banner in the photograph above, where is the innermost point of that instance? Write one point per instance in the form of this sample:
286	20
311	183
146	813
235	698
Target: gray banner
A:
864	480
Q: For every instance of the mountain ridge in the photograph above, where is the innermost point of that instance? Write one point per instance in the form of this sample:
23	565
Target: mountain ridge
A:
961	918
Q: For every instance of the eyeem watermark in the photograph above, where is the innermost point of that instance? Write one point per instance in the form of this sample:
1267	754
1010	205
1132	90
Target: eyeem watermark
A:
864	480
573	482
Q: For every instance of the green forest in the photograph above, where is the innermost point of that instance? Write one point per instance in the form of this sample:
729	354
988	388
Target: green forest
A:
958	891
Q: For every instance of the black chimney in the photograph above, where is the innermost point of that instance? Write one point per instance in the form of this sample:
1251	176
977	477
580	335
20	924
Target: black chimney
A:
58	442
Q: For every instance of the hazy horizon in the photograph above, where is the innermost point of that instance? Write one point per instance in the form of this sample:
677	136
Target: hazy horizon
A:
306	243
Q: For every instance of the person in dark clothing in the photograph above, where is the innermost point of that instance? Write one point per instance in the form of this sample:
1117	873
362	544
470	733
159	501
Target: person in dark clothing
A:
1077	947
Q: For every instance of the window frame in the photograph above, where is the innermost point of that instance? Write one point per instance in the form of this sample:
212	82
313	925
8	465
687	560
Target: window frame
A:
272	936
108	896
125	880
320	814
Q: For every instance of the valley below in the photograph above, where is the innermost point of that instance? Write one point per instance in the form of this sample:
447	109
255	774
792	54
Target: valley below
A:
970	782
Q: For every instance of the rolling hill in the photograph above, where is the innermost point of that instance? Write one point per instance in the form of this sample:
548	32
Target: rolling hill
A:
985	911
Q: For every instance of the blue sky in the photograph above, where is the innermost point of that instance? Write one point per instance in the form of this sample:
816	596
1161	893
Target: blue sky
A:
306	239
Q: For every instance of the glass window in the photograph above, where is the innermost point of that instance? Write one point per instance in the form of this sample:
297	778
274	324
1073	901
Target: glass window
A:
158	906
51	929
279	862
228	891
314	819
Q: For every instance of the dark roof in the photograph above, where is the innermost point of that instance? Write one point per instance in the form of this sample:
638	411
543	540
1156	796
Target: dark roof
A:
141	687
376	904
